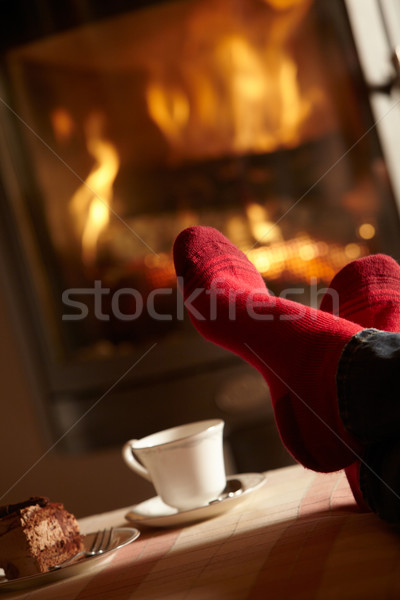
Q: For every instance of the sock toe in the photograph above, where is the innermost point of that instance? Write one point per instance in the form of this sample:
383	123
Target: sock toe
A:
361	272
362	282
202	253
190	242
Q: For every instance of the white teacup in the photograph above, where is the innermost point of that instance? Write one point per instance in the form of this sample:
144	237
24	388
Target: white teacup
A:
185	463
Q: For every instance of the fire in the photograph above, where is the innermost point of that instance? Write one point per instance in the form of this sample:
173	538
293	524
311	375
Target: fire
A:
169	108
90	204
238	89
303	258
263	229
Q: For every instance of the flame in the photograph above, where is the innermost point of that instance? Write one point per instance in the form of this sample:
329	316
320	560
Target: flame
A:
262	228
238	89
302	258
169	108
90	204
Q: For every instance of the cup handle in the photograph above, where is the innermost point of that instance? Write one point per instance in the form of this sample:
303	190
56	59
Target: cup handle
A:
131	461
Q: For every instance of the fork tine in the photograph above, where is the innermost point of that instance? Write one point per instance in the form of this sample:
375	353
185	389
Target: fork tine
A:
102	541
108	543
97	542
100	544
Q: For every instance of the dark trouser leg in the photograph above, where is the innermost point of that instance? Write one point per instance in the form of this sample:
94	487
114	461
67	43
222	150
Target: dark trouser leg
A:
368	382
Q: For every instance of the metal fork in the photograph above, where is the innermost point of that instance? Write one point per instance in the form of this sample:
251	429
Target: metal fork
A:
101	543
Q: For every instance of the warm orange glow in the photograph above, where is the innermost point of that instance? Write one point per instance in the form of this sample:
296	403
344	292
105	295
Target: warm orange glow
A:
285	4
262	228
63	124
352	251
90	205
169	108
238	89
303	258
366	231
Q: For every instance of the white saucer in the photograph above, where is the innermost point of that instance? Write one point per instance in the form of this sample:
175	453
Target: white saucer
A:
154	513
121	537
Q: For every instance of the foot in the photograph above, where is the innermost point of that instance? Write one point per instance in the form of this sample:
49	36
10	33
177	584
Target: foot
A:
296	348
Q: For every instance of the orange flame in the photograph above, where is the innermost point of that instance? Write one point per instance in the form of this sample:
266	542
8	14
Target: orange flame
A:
242	93
90	204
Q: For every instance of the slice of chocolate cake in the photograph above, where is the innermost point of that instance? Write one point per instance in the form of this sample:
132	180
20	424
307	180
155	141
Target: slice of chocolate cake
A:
36	535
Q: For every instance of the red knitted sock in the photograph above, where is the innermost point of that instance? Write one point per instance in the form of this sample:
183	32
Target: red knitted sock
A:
367	292
295	347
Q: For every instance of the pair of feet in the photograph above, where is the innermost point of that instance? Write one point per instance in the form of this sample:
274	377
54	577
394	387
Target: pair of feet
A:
296	348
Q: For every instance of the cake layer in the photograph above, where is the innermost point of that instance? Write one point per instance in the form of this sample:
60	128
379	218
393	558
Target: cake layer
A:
36	535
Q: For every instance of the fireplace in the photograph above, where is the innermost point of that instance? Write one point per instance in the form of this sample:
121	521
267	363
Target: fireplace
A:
122	125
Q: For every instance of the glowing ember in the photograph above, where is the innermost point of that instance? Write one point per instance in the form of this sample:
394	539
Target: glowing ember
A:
303	258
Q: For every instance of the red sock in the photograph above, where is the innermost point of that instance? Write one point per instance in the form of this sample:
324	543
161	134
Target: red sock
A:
367	292
296	348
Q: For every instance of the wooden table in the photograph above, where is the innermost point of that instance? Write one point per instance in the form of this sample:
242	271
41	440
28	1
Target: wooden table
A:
300	536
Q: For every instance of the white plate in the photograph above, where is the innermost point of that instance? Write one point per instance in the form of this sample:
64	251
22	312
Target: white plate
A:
121	537
154	513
